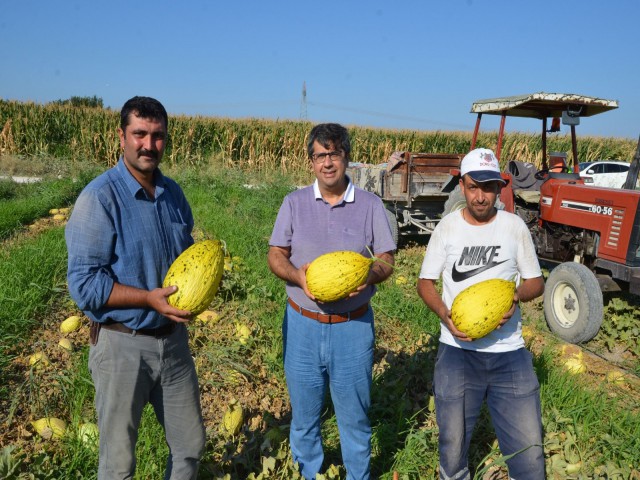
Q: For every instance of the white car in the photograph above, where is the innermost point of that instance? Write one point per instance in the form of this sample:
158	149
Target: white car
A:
604	173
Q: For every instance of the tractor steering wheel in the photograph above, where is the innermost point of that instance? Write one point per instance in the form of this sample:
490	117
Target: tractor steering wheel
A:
541	174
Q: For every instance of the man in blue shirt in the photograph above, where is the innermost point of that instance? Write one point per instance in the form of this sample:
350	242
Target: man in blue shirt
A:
127	227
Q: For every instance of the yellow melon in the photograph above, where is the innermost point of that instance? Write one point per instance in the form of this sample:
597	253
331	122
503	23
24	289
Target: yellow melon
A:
333	276
477	310
197	273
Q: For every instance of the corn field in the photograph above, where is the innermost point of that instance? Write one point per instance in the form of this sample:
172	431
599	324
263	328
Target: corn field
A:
90	134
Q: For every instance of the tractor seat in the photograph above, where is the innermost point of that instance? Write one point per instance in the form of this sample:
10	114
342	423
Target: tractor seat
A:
523	176
528	196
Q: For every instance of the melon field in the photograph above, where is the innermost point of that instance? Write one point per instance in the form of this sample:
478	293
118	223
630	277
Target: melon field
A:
590	393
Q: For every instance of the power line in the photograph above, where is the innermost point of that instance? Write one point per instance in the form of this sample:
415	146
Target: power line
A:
388	115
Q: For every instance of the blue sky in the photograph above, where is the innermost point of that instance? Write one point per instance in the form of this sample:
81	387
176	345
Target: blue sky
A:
415	65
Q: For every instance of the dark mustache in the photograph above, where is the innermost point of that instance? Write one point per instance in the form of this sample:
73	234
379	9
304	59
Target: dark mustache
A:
148	153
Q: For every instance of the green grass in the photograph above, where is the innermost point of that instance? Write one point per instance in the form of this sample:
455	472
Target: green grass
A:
32	275
22	203
404	430
31	278
574	411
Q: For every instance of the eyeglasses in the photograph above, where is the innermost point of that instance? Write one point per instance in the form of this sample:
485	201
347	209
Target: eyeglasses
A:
321	157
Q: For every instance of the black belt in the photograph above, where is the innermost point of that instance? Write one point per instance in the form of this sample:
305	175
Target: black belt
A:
159	332
330	317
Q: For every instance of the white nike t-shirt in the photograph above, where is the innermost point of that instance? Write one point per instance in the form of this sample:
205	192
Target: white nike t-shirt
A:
466	254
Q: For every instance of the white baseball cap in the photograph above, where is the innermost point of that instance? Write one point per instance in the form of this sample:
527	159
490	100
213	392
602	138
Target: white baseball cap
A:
481	165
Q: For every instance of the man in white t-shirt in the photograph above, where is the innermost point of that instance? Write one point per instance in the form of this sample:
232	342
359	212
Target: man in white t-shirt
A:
468	246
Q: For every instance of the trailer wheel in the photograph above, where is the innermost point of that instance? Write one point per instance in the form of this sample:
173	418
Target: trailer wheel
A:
393	223
455	202
573	305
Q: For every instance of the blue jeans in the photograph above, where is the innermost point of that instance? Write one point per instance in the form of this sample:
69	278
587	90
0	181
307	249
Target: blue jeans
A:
463	380
130	371
340	356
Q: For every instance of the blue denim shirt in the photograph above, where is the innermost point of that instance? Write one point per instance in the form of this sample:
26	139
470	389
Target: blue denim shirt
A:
116	233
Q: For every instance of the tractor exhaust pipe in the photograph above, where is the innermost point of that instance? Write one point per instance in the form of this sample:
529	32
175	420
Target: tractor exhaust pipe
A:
634	169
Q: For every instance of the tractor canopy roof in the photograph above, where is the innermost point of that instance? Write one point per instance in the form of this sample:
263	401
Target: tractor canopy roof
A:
544	105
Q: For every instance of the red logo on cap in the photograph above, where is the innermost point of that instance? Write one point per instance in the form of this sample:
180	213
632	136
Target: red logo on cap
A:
487	160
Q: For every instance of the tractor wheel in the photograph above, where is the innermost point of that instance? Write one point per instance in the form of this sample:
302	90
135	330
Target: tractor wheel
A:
393	223
573	304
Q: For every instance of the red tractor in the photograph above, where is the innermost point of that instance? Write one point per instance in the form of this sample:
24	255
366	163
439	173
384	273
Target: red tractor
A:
589	237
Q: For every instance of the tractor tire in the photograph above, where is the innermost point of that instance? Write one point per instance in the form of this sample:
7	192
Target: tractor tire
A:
393	224
573	304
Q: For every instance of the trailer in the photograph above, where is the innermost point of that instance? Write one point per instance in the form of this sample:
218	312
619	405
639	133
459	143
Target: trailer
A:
413	186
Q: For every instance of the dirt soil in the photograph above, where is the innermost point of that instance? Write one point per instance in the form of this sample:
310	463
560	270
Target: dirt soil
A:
598	361
247	379
263	395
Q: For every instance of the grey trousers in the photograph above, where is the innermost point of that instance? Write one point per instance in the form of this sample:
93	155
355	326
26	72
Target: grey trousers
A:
130	371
